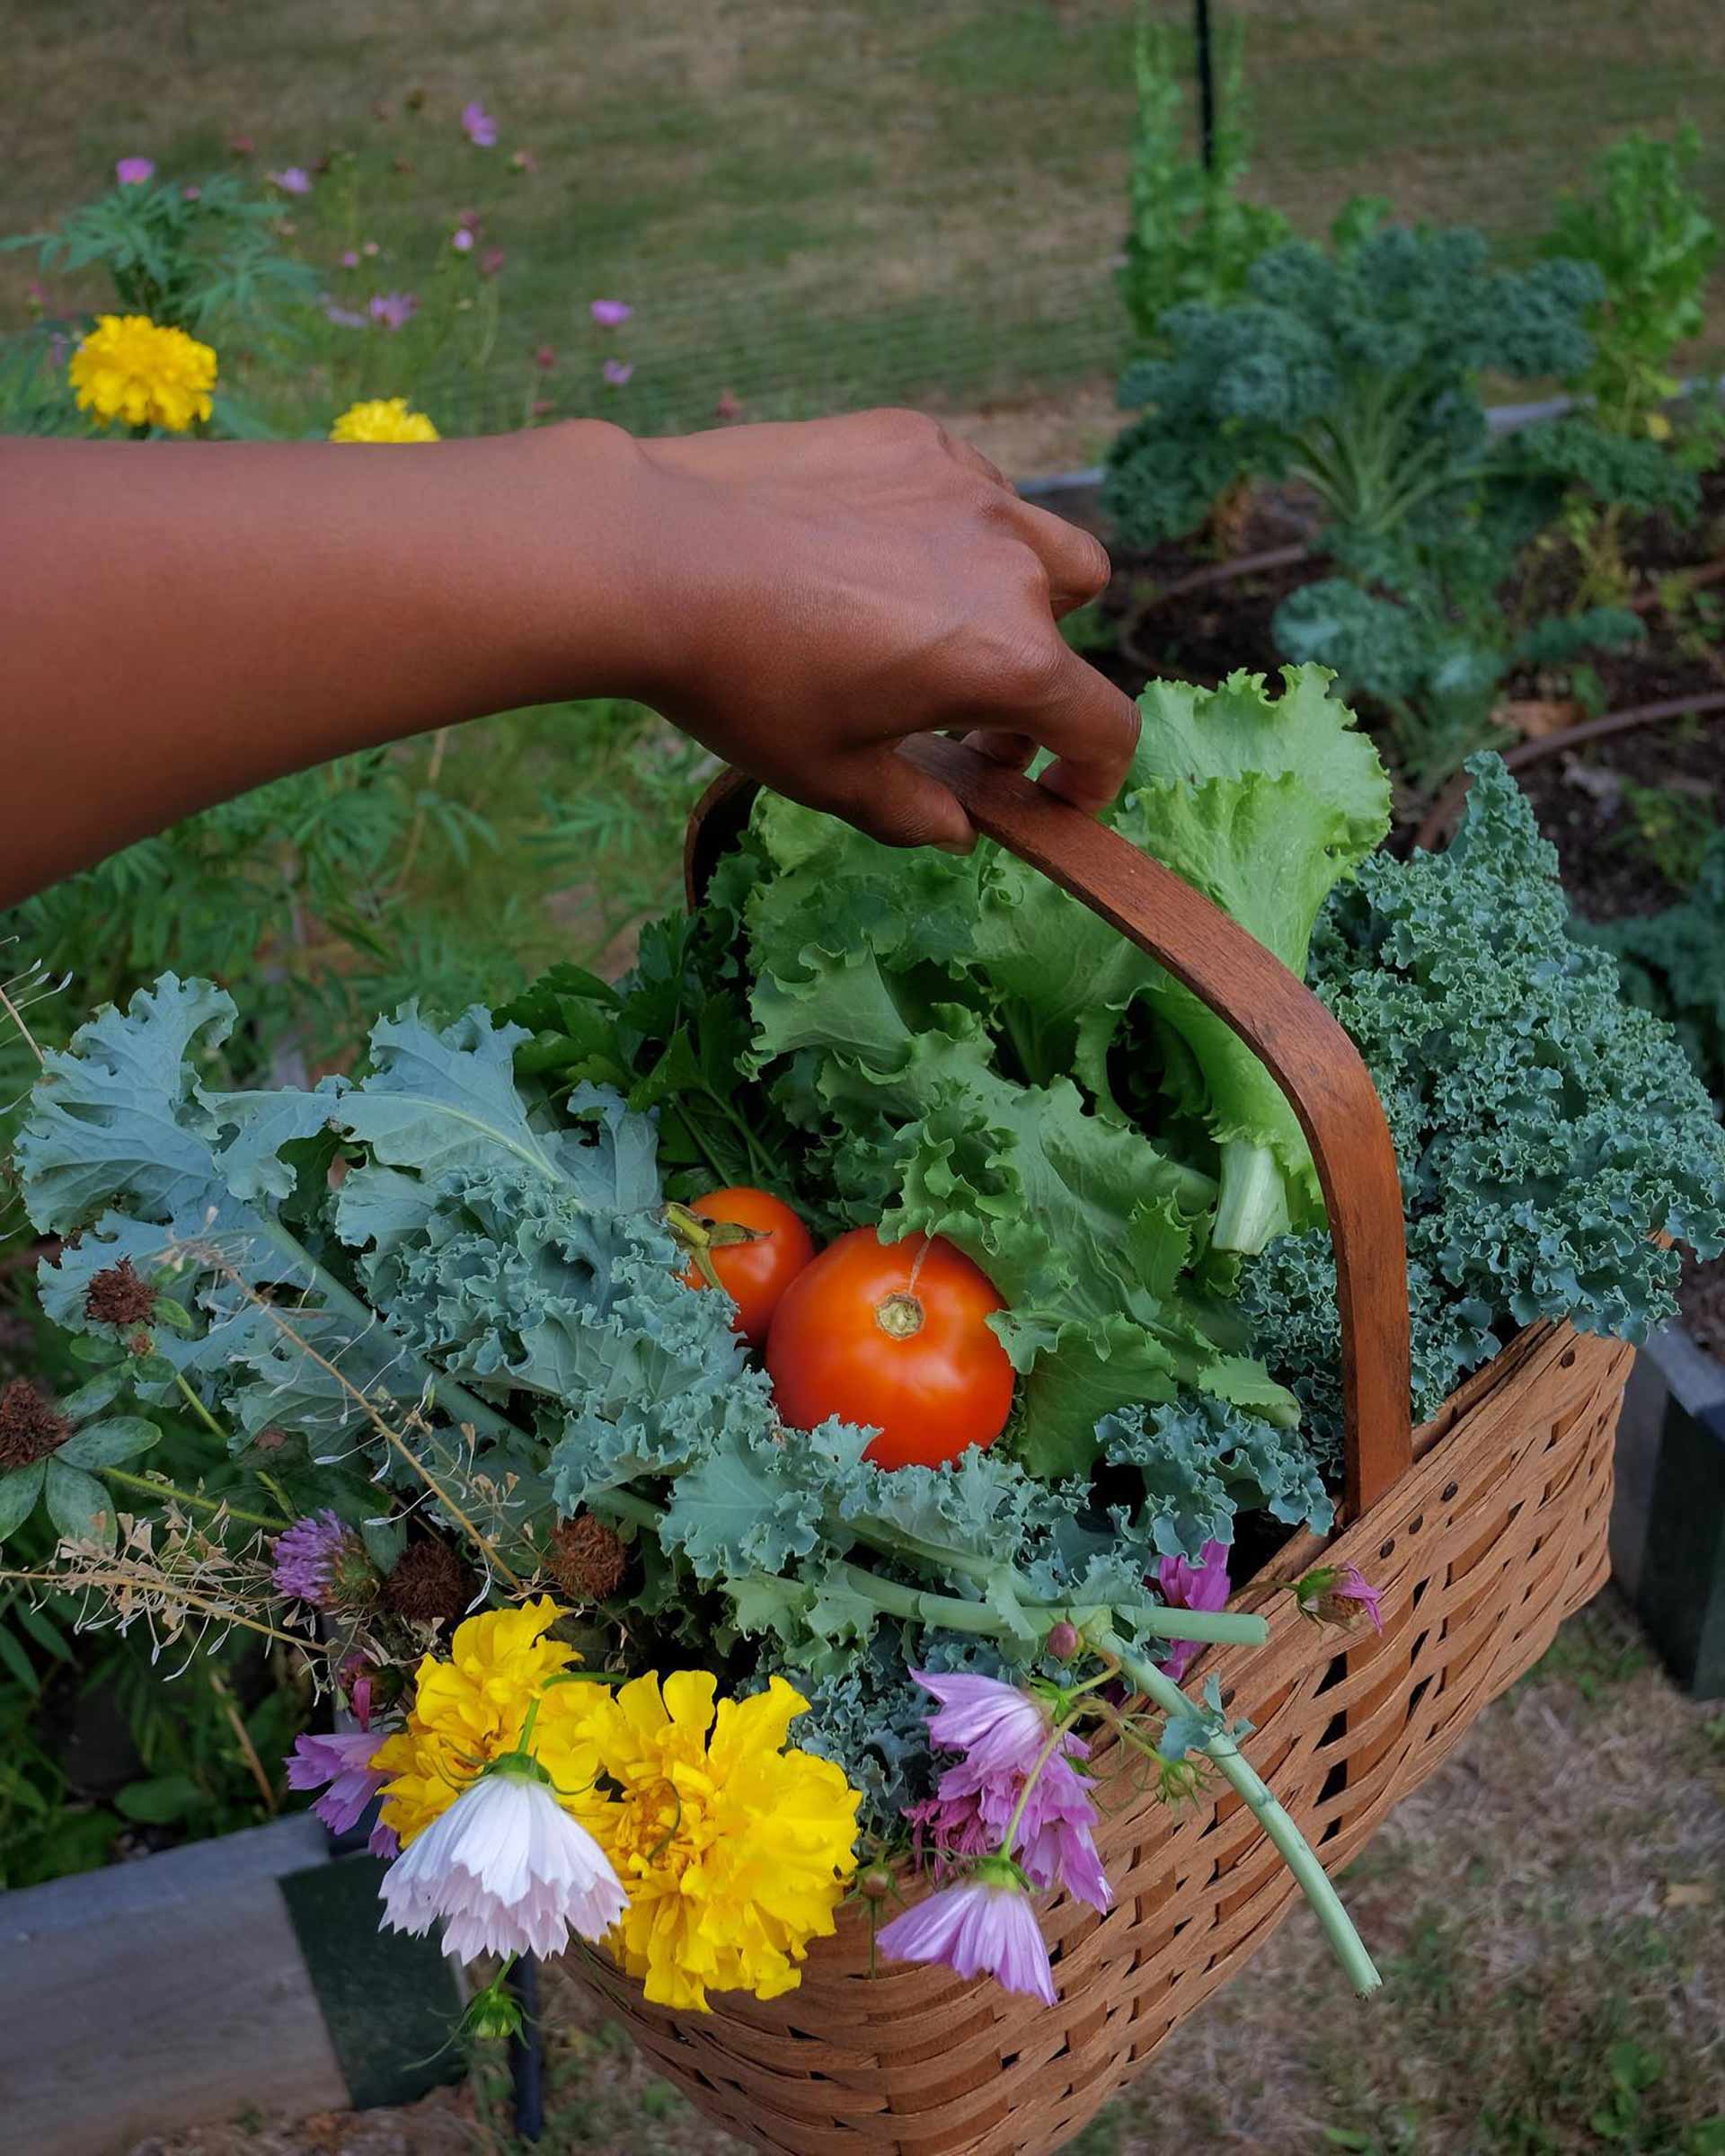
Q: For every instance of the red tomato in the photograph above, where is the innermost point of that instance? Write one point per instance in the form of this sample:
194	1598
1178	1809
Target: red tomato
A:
893	1335
770	1248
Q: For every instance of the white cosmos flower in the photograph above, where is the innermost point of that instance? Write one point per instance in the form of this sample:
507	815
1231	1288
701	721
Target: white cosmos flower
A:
507	1870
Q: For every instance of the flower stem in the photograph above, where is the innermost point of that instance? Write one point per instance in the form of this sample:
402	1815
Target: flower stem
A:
193	1497
1292	1846
200	1410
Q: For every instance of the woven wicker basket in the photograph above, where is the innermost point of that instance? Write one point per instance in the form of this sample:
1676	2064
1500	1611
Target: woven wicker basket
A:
1485	1530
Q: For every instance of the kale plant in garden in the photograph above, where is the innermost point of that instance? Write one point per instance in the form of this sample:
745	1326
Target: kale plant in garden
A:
447	1311
1674	963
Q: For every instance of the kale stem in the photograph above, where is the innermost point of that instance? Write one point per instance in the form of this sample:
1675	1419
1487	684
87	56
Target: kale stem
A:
1295	1851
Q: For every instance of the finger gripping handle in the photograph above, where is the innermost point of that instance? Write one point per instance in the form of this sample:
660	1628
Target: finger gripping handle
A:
1275	1014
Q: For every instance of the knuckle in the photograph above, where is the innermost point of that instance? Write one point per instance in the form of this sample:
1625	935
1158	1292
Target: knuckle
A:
1094	569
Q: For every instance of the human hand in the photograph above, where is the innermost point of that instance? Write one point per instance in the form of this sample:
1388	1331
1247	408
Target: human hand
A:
833	587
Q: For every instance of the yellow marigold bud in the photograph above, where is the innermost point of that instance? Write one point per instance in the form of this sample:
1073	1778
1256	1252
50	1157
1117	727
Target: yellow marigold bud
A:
128	369
383	420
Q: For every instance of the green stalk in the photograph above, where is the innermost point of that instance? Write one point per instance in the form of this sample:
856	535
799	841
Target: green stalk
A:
164	1490
1292	1846
1252	1203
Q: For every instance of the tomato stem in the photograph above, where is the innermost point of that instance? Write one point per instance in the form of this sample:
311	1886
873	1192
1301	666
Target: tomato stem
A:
899	1315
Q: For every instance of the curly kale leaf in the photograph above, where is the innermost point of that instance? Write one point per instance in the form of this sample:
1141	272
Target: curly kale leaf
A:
1354	370
1545	1128
1200	1462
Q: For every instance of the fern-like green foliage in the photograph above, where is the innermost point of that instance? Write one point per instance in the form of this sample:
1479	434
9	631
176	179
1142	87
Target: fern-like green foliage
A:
1189	235
1544	1126
1649	234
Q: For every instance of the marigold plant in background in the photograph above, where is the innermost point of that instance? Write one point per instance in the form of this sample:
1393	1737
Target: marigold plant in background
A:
383	420
130	369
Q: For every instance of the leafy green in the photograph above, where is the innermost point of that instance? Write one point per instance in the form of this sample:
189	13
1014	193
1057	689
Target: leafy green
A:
1264	805
1545	1126
1674	963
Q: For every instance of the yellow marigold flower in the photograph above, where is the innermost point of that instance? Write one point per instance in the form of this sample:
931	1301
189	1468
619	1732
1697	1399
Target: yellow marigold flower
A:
130	369
383	420
734	1852
472	1709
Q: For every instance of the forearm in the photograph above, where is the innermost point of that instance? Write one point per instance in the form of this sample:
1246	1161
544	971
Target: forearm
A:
182	622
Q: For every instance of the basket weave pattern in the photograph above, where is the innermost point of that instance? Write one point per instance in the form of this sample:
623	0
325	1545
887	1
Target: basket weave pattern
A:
1496	1535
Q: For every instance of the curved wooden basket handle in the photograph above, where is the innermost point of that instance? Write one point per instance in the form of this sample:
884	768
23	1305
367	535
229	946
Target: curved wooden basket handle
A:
1278	1017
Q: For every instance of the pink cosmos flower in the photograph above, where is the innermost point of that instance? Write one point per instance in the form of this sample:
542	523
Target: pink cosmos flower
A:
1004	1735
1341	1594
1188	1586
478	126
392	310
616	372
343	1761
191	194
508	1872
544	359
983	1926
293	180
610	314
461	240
133	172
350	258
491	261
370	248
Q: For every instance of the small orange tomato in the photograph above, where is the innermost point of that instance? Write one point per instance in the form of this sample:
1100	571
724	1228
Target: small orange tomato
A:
748	1243
895	1336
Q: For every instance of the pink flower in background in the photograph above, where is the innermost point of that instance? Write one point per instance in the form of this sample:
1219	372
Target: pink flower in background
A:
350	258
344	318
191	194
463	240
541	406
524	161
468	220
343	1761
729	405
1188	1586
610	314
544	359
478	126
392	310
616	372
240	146
491	261
133	172
369	248
983	1927
292	179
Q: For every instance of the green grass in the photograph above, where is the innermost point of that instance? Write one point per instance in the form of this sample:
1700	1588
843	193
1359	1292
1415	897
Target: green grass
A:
810	208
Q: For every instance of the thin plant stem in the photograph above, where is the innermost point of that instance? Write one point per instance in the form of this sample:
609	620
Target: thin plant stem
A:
199	1408
1292	1846
242	1737
193	1497
169	1593
17	1018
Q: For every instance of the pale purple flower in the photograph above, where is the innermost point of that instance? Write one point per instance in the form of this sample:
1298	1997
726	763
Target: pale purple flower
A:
293	180
616	372
343	1761
392	310
610	314
507	1870
344	318
306	1556
1001	1728
192	193
1184	1586
350	258
985	1926
133	172
478	126
383	1842
461	240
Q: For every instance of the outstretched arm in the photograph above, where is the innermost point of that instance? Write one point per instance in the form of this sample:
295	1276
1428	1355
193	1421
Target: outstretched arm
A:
179	622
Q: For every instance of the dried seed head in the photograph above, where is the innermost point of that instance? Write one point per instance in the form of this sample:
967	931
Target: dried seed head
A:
429	1584
118	1295
30	1426
587	1559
